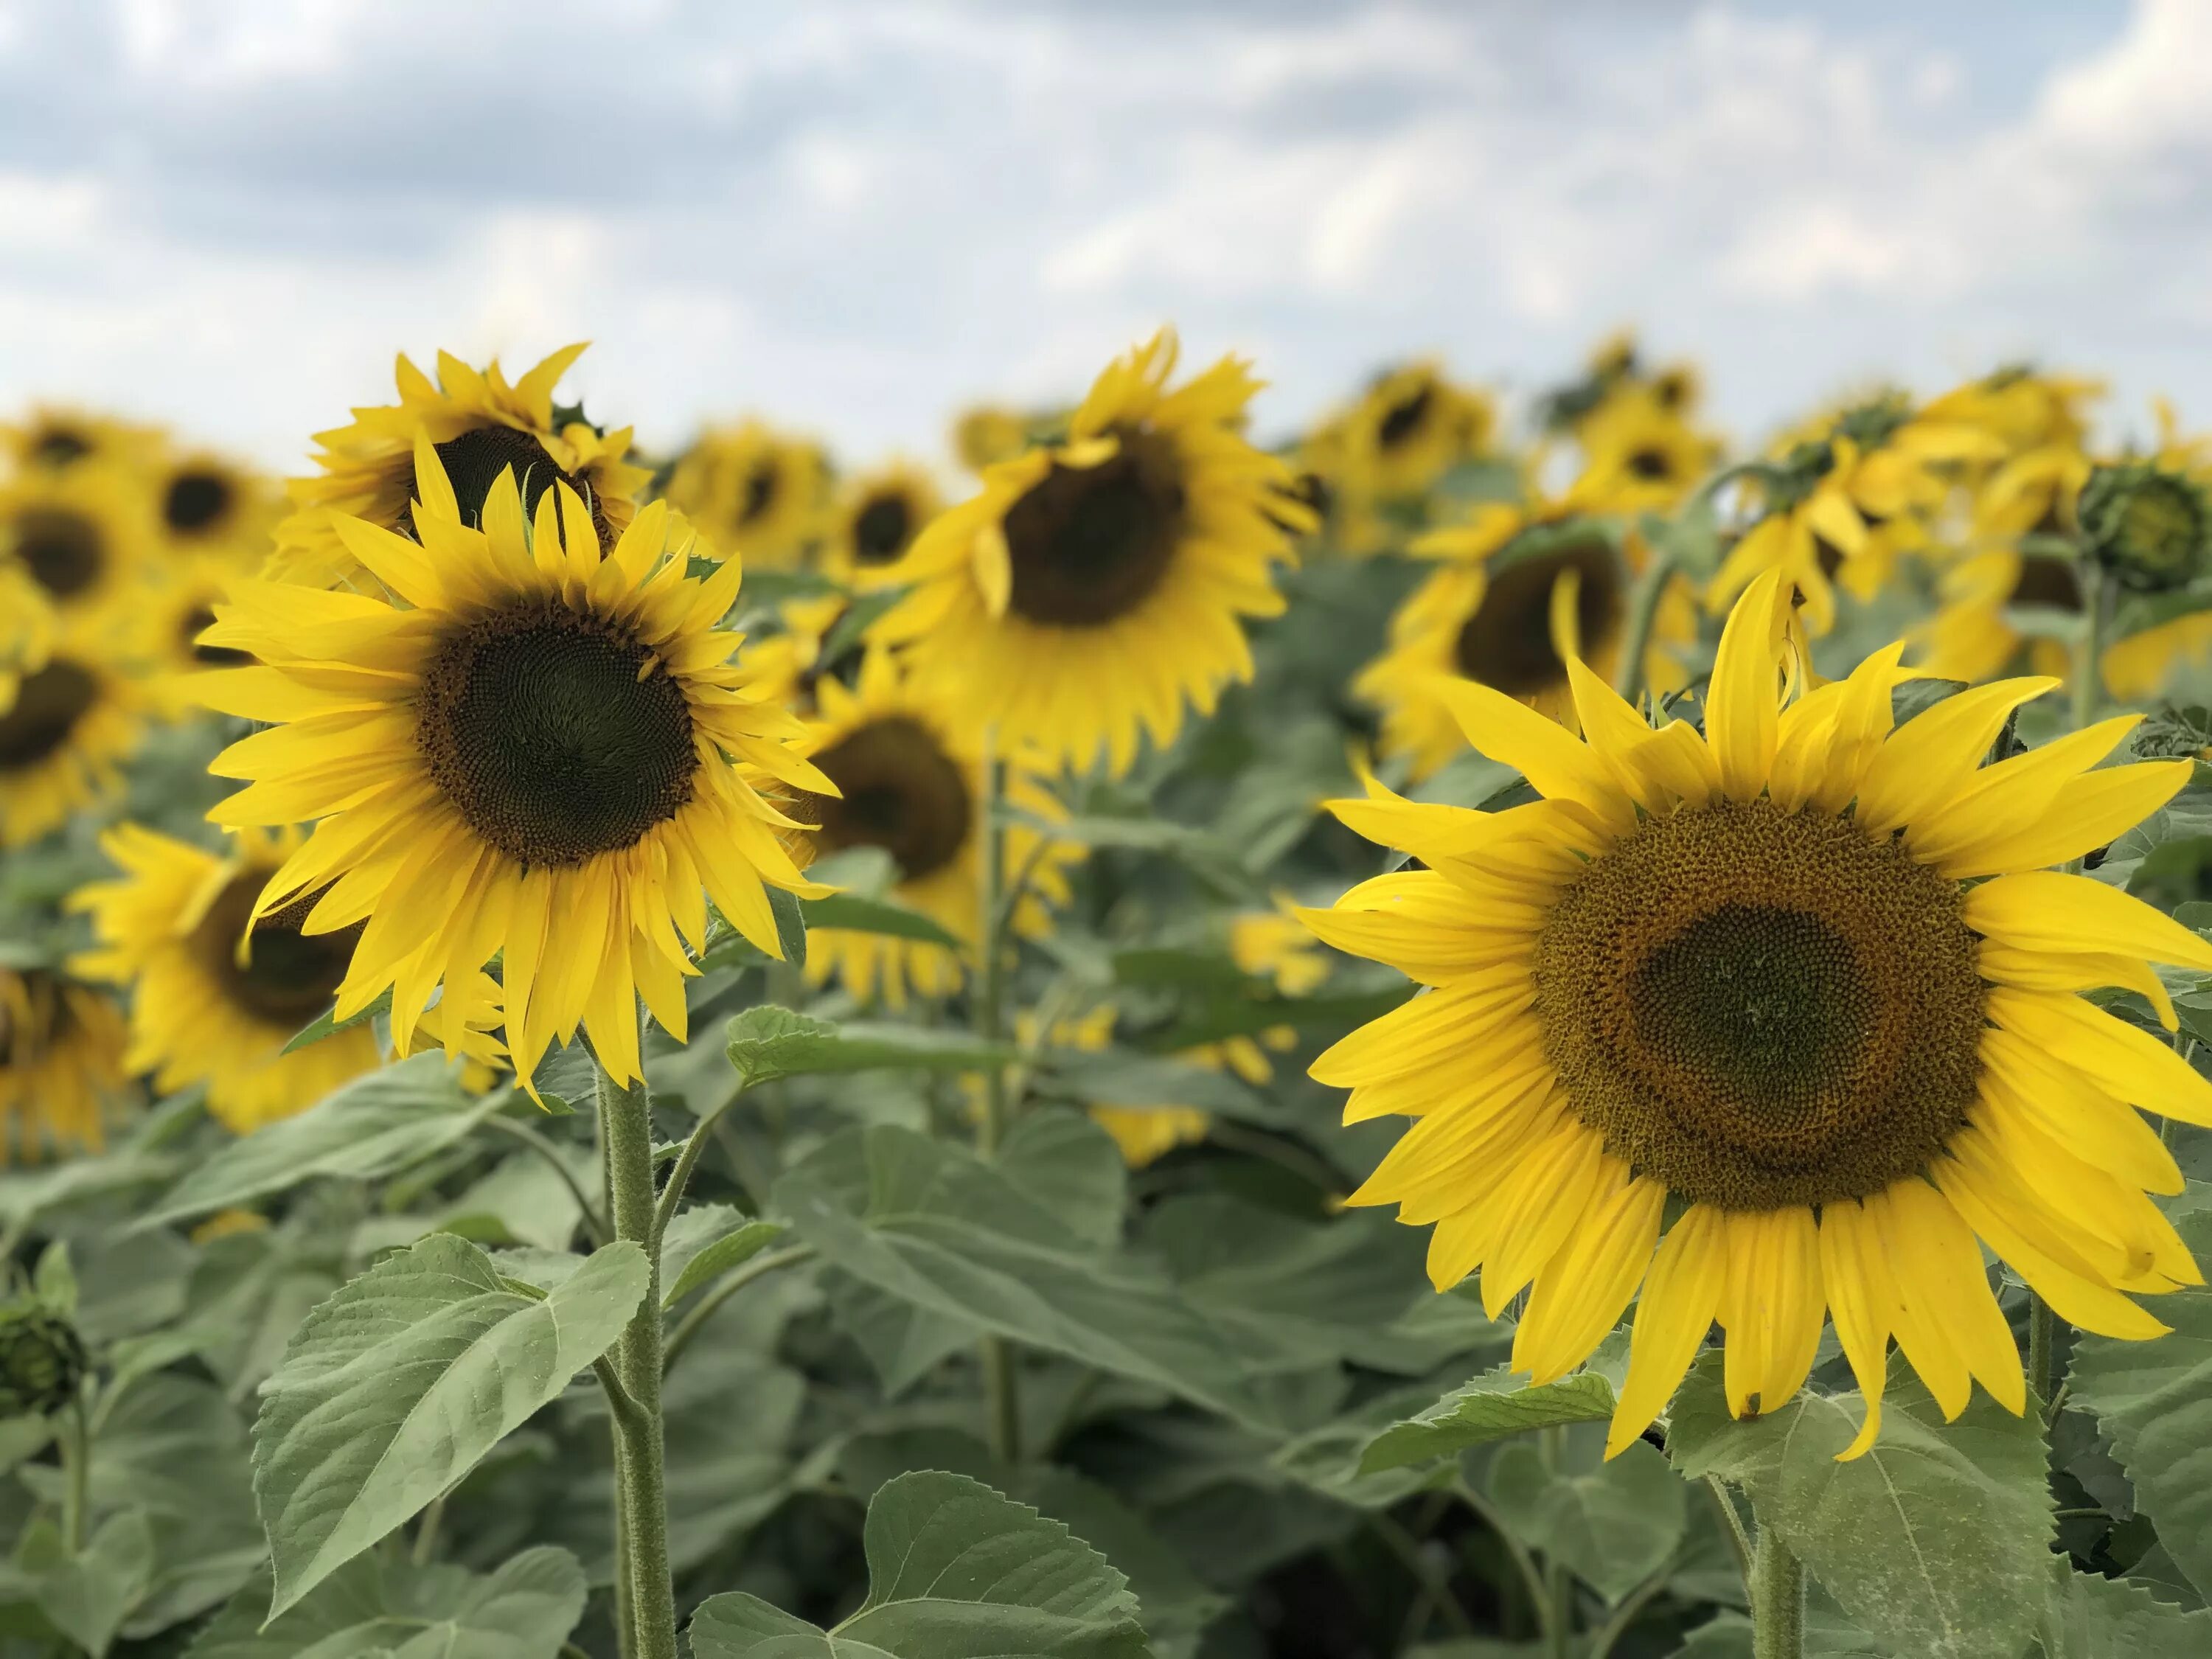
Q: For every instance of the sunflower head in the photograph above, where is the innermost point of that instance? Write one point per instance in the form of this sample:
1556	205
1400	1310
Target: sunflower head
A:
42	1358
82	536
986	434
61	1064
1776	1019
877	519
207	505
551	758
2150	525
759	492
479	426
72	721
1412	425
53	440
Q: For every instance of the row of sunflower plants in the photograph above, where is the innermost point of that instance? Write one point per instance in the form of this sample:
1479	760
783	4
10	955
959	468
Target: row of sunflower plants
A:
1463	1037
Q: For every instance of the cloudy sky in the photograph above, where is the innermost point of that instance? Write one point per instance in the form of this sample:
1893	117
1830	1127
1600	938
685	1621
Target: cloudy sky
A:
852	213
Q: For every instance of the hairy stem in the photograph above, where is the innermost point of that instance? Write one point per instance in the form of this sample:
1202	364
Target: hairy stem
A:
641	1481
76	1471
1001	1383
1778	1599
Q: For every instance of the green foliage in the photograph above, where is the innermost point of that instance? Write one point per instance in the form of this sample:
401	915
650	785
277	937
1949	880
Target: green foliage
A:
1497	1406
769	1043
525	1610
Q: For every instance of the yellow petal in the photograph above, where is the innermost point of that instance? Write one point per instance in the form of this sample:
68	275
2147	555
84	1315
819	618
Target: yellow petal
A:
2045	910
1681	1295
1743	709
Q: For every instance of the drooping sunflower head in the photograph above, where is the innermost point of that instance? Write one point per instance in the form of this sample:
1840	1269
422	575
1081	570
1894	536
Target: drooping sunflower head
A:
1802	978
910	777
479	426
82	536
61	1065
72	721
2150	525
2023	408
217	990
755	491
878	517
524	743
1518	592
1094	587
1412	425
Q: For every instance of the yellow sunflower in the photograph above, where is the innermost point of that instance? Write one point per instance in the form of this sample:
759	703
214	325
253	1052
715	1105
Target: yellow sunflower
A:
210	506
479	425
61	1065
987	434
1844	501
784	667
173	612
2022	408
216	997
1972	636
1803	979
84	535
64	737
525	743
878	514
756	492
910	781
1640	457
2033	493
1092	589
1412	425
52	439
1518	592
27	630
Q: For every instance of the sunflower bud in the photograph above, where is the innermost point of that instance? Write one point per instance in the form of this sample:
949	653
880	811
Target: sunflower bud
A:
41	1359
2151	526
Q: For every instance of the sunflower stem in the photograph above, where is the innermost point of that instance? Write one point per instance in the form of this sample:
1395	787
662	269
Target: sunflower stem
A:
2088	665
1642	616
2042	1352
626	1128
1002	1400
76	1469
1778	1598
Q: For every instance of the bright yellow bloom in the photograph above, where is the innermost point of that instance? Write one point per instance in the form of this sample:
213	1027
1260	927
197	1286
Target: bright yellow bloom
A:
1972	636
61	1065
27	630
1517	591
877	516
215	997
479	425
1093	589
66	731
84	535
987	434
524	743
53	440
2023	410
1805	975
1640	457
1411	427
911	782
208	507
756	492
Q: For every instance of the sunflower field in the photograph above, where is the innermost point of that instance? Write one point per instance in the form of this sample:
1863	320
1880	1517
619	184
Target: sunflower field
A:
1497	1028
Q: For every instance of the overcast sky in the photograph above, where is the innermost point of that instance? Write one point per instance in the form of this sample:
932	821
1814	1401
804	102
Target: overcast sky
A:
850	215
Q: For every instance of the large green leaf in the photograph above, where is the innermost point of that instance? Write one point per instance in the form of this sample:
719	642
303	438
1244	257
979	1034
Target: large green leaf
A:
89	1596
955	1572
2154	1401
524	1611
392	1390
1936	1540
2090	1617
374	1126
769	1042
1063	1161
704	1243
1498	1405
932	1226
1612	1525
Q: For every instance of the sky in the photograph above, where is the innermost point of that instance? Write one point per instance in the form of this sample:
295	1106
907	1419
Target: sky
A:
230	214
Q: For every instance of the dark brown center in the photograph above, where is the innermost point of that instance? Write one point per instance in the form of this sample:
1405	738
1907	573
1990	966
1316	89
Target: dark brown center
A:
901	792
197	501
1089	544
474	461
288	976
762	481
2042	580
882	528
63	550
1405	417
48	705
555	734
1652	463
215	656
1507	642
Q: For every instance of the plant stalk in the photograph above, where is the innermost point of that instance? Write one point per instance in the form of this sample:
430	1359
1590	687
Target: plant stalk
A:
1001	1383
1642	616
77	1470
1778	1598
2089	663
626	1121
2042	1352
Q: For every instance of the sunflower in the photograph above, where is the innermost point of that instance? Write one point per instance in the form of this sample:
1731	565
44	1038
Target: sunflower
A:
1802	980
1412	427
215	997
1091	589
1972	636
61	1070
911	782
173	612
1517	591
208	505
52	439
755	491
784	667
1640	457
83	535
987	434
2033	493
1846	498
878	517
479	426
73	721
526	744
27	630
2022	408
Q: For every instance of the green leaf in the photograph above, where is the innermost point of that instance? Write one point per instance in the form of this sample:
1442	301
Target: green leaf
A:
2090	1617
790	926
524	1611
704	1244
1612	1526
374	1126
1936	1541
394	1389
2153	1402
328	1024
1498	1405
1120	1078
769	1042
89	1596
857	913
1064	1161
1205	855
1248	1016
934	1226
955	1572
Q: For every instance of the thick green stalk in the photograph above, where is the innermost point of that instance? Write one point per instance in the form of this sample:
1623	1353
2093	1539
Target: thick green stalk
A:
2089	661
77	1470
626	1128
1643	616
1001	1383
1778	1598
